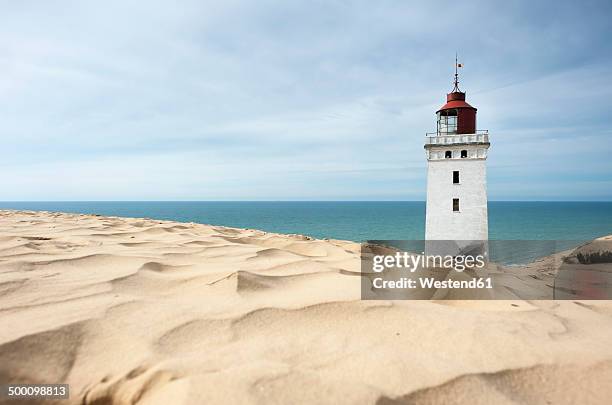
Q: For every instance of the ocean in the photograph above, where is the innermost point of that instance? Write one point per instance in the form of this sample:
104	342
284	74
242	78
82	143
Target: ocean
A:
358	220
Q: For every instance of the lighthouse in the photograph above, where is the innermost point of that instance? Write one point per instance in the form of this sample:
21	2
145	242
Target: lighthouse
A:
457	173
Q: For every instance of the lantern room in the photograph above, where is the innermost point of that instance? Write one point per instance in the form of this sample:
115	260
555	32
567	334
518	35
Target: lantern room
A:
456	116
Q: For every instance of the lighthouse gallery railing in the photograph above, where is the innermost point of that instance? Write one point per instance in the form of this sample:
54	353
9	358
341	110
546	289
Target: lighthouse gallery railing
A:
481	136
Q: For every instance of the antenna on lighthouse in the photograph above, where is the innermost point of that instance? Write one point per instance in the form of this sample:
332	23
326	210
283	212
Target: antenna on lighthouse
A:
457	66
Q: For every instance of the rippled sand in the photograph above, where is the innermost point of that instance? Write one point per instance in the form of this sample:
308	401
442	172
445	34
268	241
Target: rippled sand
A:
157	312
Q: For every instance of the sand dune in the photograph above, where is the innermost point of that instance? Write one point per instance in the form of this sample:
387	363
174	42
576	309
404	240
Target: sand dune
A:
156	312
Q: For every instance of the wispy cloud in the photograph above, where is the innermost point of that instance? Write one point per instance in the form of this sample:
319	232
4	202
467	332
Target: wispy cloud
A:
296	100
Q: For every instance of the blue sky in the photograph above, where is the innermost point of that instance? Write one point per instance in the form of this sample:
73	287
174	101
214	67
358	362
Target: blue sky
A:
313	100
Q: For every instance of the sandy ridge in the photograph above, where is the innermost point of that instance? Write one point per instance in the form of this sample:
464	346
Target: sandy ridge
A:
131	310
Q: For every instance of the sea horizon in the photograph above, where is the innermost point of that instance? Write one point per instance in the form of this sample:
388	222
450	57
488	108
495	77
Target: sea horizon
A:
280	200
353	220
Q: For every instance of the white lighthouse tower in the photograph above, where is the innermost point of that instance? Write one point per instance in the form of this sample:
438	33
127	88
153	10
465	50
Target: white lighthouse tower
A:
457	174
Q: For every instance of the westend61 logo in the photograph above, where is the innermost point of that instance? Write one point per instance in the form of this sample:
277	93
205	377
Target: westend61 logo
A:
392	270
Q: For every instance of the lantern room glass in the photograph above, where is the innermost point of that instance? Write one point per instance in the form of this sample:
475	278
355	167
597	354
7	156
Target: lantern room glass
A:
447	122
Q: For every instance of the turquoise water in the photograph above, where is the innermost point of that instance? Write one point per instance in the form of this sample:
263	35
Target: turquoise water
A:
358	221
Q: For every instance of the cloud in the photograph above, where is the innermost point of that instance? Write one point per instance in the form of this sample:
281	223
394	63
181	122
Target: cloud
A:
296	100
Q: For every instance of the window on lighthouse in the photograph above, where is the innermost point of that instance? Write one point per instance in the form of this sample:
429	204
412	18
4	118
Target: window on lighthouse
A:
448	154
464	153
447	122
455	205
455	176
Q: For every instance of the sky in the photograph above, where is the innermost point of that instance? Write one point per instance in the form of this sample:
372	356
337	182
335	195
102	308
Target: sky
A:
297	100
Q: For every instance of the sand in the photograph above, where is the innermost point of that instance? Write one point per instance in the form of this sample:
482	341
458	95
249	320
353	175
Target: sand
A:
158	312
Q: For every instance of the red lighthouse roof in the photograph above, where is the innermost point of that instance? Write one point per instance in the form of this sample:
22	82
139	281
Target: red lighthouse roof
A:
456	99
